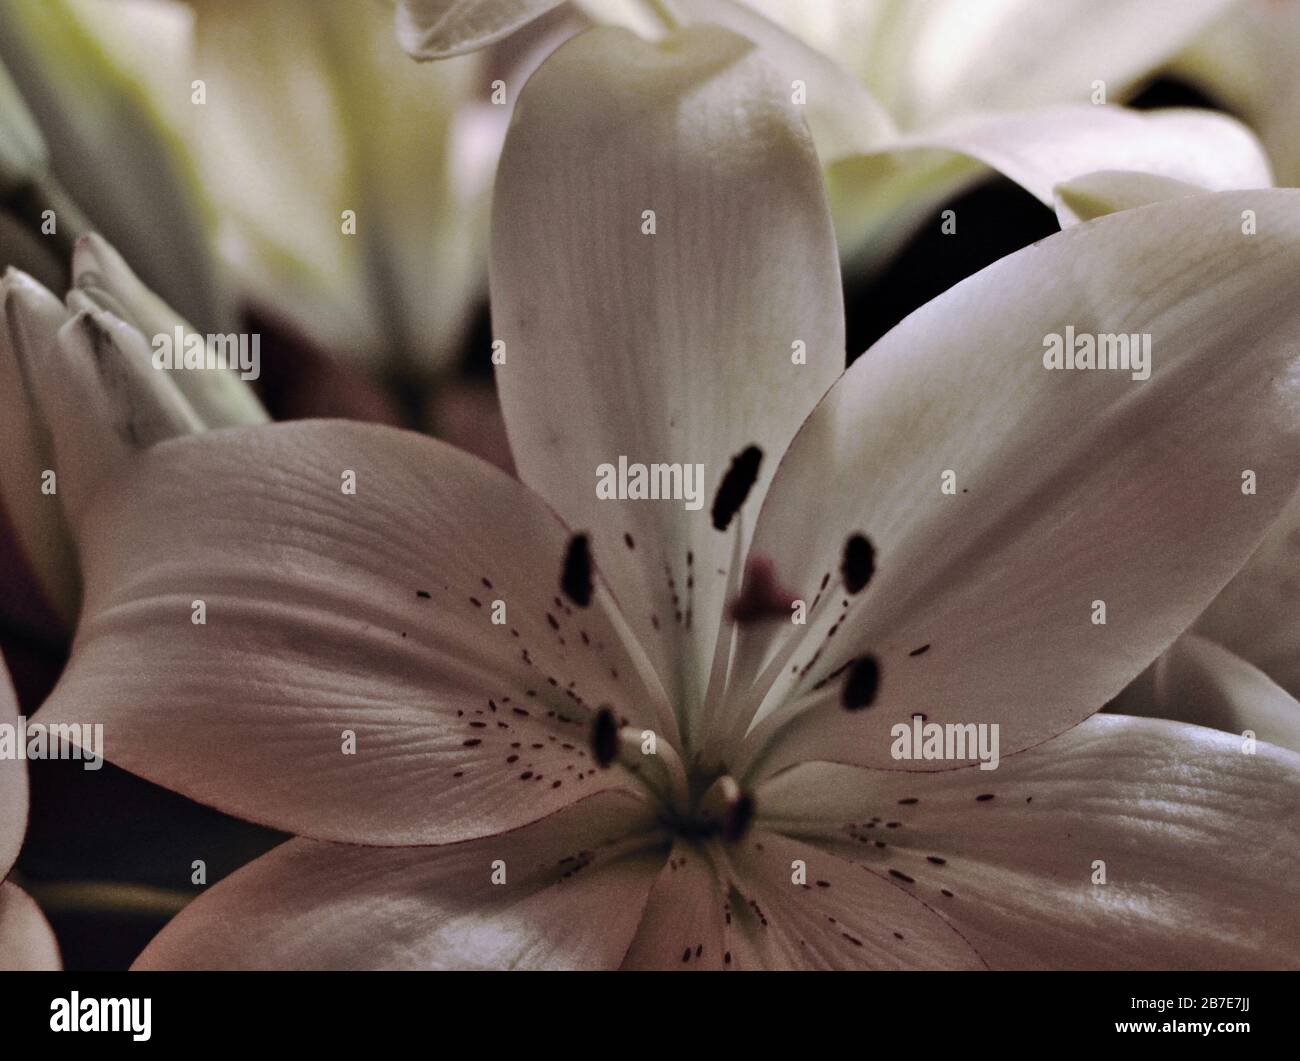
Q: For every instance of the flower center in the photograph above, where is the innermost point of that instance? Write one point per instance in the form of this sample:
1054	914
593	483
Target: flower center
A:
693	804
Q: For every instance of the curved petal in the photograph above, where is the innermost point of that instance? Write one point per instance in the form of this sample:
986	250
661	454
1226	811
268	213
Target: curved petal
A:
1199	842
1107	192
13	783
349	680
218	397
1248	60
934	60
1067	488
684	924
360	129
843	116
563	893
1200	681
881	193
1041	148
23	155
834	916
1257	615
106	123
437	29
27	943
679	347
30	319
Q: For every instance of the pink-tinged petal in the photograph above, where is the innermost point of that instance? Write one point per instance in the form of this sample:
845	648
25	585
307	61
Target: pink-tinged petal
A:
1197	680
838	916
1258	613
13	783
329	613
1070	490
27	943
574	887
438	29
683	926
680	347
1199	842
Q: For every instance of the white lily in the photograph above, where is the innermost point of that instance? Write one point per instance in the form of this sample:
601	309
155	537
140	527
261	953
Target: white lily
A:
925	96
79	393
462	795
26	941
339	169
1250	59
109	142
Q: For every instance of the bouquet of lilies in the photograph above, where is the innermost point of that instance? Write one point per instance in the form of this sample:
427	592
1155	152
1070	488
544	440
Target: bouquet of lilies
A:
702	484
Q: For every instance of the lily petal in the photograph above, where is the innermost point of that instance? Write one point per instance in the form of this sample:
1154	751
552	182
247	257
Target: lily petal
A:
563	893
930	61
105	403
353	225
110	145
1198	841
1248	60
1107	192
677	347
1199	681
26	940
437	29
841	917
1069	487
1257	615
219	398
350	681
882	194
30	318
13	784
684	922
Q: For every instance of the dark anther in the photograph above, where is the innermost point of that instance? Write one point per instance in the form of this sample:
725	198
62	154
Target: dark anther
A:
735	486
576	577
604	737
861	684
859	563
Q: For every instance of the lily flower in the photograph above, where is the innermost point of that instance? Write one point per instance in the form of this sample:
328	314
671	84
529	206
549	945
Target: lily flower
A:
26	940
114	163
348	209
1250	59
910	103
515	723
79	393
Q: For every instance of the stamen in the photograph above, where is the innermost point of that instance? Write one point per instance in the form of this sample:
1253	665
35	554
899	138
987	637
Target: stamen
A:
575	580
859	563
735	486
604	738
861	684
728	807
